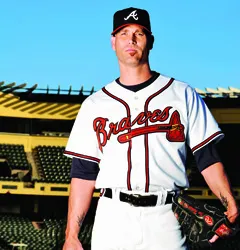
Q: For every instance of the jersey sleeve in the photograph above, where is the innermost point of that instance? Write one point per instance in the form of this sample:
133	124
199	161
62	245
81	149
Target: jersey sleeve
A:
82	142
206	156
202	127
87	170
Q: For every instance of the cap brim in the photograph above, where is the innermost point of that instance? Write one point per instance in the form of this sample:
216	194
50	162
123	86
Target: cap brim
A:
124	25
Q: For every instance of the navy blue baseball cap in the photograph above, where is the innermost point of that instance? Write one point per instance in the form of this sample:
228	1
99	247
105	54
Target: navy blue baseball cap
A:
129	16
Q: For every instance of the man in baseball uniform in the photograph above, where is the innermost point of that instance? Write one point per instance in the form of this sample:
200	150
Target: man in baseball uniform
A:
129	140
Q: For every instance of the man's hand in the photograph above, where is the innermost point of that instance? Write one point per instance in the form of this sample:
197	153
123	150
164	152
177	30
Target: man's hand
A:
72	244
232	214
220	186
204	224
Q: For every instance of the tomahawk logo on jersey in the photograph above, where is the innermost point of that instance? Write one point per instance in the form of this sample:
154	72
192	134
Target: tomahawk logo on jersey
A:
139	138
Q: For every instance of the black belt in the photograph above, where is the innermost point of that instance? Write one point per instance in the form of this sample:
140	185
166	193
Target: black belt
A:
137	199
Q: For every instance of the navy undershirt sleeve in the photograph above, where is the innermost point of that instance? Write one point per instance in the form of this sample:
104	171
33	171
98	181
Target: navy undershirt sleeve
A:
206	156
84	169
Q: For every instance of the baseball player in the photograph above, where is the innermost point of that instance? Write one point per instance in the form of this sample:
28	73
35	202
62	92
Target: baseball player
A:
129	140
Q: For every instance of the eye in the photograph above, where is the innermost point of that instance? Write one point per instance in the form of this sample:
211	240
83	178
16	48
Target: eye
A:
140	34
123	33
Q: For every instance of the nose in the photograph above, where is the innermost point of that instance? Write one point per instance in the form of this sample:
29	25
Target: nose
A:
132	39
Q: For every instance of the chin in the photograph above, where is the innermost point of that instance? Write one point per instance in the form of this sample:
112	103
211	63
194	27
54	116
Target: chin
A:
132	62
134	59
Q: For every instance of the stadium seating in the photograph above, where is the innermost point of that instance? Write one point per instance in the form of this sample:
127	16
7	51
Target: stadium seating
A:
15	156
54	166
48	236
13	161
18	229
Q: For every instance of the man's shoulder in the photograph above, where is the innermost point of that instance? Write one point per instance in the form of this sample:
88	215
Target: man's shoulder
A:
176	83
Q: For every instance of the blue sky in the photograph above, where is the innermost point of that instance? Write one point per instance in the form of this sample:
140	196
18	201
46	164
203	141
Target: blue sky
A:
56	42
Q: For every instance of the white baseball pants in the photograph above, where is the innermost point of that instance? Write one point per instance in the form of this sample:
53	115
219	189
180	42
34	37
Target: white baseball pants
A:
121	226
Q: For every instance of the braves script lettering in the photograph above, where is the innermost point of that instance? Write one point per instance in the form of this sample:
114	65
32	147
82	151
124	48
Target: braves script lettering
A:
105	130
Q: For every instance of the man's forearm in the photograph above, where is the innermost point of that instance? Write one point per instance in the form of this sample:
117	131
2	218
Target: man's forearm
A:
80	197
218	182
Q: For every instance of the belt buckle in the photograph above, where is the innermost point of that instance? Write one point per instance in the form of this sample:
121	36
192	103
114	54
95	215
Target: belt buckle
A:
137	195
135	201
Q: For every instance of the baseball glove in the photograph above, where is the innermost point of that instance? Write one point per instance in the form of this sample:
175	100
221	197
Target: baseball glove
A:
200	221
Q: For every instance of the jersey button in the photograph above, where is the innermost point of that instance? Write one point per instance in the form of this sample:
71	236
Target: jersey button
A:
136	97
136	109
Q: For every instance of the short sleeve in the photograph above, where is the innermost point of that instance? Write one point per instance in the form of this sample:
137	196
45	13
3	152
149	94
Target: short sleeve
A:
87	170
202	127
82	142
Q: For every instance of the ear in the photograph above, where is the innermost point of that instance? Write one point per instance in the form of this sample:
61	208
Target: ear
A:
113	38
150	42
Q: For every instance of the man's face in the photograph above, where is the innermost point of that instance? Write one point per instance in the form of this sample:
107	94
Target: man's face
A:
130	45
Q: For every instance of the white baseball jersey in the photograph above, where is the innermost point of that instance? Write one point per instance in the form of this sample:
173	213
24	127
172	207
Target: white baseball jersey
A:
139	138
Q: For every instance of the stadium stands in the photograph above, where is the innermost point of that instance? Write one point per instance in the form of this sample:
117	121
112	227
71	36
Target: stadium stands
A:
54	166
15	156
16	229
46	235
13	162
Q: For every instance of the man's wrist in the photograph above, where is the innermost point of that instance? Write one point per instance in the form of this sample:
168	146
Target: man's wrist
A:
72	233
71	237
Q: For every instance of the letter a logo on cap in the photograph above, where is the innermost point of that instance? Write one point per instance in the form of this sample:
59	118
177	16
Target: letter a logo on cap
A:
132	14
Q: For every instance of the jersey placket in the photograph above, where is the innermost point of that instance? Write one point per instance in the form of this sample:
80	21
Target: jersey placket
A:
138	157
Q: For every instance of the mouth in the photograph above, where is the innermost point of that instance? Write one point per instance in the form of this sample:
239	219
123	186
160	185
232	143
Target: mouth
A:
131	51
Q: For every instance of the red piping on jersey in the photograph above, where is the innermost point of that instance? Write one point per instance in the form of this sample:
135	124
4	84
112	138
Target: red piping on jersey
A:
86	157
146	135
129	130
206	141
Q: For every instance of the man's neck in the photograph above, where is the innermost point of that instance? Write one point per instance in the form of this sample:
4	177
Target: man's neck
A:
135	75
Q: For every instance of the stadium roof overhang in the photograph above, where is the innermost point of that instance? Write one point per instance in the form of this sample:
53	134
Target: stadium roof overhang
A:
20	101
